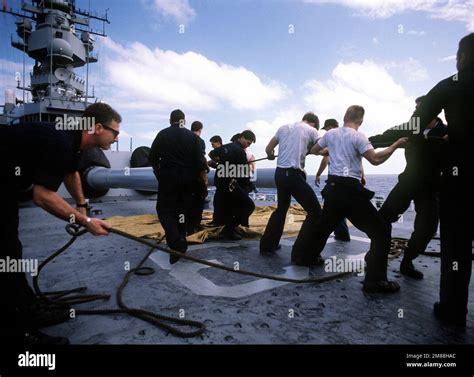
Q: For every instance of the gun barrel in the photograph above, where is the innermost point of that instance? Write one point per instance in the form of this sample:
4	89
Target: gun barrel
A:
144	179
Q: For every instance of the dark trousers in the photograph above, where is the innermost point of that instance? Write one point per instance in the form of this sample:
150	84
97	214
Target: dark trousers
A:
15	292
427	214
342	230
289	182
174	204
199	193
219	205
234	207
345	197
456	243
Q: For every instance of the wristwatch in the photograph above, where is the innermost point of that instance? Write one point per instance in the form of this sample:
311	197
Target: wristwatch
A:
84	205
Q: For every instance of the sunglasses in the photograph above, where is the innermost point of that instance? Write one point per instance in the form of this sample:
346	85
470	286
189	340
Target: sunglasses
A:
115	132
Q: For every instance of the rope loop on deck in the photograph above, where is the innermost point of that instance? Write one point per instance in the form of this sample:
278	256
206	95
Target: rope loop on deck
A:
64	299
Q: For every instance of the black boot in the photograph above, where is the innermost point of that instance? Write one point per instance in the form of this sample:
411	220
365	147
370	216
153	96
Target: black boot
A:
408	269
36	337
40	315
345	237
180	246
230	233
270	251
307	261
448	317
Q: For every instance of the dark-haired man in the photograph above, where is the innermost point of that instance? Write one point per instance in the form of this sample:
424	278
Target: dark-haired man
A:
232	181
454	95
39	157
419	183
197	127
199	191
216	141
177	161
295	141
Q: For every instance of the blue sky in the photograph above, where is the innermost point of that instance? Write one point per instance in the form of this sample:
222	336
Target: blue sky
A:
260	64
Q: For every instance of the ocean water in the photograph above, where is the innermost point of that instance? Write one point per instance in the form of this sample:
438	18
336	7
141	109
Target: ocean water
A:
381	184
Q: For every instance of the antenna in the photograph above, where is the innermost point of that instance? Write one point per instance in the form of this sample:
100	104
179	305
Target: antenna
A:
87	59
24	53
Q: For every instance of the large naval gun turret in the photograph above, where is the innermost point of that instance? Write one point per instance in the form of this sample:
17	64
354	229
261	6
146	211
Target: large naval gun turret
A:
57	35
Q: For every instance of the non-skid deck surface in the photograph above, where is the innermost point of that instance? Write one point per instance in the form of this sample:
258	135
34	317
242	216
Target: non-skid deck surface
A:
237	309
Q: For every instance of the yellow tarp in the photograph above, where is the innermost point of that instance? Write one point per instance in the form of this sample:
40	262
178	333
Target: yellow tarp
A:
148	226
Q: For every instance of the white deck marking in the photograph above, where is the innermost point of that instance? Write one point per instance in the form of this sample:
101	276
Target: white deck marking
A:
188	273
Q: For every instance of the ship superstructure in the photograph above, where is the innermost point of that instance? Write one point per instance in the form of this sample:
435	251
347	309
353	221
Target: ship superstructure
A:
58	36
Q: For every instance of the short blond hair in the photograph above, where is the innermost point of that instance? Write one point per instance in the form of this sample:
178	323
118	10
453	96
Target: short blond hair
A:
354	113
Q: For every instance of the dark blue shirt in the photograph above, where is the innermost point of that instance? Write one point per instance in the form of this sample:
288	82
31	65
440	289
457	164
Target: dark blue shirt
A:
423	153
37	153
177	147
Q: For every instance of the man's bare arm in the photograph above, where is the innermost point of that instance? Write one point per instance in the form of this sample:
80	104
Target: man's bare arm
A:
270	148
377	158
322	166
72	181
51	202
317	150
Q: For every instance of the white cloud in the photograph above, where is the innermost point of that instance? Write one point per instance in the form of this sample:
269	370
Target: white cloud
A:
375	41
449	10
447	58
145	79
148	136
379	8
411	69
461	11
180	10
367	84
418	33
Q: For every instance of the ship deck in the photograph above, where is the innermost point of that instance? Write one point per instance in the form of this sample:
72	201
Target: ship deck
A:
236	309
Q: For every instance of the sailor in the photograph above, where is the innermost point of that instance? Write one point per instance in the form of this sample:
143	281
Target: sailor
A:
216	141
419	183
295	141
197	127
344	196
231	199
341	233
177	161
454	95
39	157
217	219
199	192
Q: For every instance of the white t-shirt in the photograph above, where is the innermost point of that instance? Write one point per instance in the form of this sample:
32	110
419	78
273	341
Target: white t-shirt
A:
346	147
295	141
